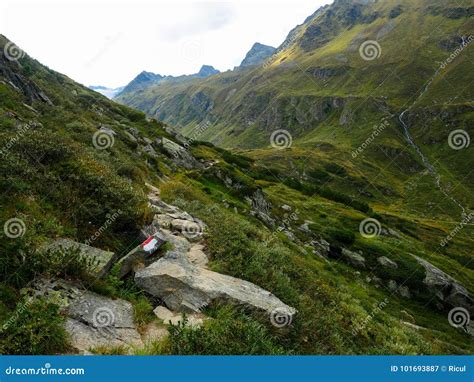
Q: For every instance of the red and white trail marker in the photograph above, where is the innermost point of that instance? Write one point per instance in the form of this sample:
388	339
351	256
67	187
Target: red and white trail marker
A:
150	244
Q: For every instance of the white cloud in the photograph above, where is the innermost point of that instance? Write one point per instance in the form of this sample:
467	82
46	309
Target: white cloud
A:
108	43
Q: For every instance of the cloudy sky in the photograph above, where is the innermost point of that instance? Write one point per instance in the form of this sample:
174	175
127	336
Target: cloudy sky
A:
108	42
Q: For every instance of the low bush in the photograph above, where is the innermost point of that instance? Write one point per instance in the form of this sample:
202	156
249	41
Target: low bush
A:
34	328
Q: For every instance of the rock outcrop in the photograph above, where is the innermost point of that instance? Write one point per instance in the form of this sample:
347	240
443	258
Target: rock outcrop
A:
92	321
448	291
101	261
180	155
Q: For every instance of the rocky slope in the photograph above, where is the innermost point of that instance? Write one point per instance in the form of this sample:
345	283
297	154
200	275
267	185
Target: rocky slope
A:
257	55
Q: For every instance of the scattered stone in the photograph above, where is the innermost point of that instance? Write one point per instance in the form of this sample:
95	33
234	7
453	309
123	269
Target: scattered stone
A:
390	233
404	291
107	130
321	247
286	208
386	262
356	259
290	235
305	228
392	286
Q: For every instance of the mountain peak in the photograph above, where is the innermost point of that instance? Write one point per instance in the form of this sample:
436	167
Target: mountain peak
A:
206	71
257	54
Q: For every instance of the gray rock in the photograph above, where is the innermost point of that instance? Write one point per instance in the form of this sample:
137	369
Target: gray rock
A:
92	320
449	291
290	235
304	228
392	286
169	317
185	287
101	260
399	289
179	154
138	258
197	256
286	208
355	259
107	130
404	291
321	247
390	233
262	207
130	136
386	262
150	150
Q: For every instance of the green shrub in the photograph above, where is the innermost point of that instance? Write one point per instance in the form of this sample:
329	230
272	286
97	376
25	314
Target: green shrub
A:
335	169
228	334
340	236
35	328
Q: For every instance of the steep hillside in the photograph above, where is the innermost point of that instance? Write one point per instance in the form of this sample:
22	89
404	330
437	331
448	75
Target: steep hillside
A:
351	269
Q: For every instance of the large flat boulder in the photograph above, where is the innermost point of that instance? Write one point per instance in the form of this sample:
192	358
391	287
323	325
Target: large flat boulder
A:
185	287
